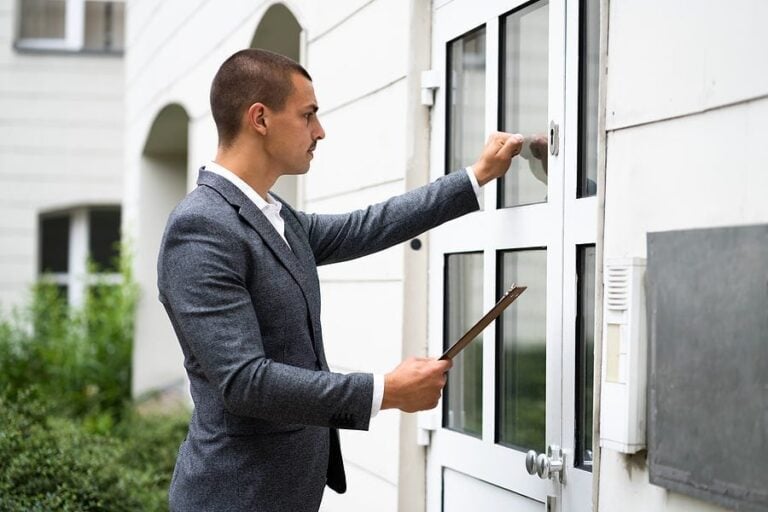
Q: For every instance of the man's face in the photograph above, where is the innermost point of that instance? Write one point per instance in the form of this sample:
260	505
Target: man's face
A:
293	132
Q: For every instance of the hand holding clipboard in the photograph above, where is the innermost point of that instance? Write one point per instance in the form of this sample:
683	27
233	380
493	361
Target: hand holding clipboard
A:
508	298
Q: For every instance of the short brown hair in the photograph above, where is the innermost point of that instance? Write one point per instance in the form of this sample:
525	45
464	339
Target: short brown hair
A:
247	77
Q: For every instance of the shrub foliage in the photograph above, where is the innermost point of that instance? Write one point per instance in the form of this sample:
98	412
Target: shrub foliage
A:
69	437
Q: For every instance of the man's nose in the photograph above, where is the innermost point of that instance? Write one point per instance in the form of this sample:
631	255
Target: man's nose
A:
319	131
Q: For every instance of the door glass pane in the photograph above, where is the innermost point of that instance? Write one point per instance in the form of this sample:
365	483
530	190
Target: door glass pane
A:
521	379
466	99
463	396
42	19
589	52
524	85
585	349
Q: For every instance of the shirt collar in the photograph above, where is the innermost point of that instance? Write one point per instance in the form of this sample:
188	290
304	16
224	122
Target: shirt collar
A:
269	204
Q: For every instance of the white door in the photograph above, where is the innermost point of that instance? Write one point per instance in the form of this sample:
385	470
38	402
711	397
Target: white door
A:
526	383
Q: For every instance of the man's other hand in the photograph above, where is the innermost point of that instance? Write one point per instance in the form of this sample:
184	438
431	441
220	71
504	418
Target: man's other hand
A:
415	385
497	156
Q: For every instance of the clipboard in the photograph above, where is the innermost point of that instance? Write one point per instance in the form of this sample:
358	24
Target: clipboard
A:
508	298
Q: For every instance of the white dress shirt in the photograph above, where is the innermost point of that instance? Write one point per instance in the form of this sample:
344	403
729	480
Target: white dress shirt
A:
271	210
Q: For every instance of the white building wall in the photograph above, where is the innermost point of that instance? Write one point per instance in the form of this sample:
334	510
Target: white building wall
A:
174	48
687	100
61	145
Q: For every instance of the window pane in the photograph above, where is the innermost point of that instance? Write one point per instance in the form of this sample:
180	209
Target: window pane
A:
54	244
104	23
463	397
522	376
524	82
466	99
585	349
104	237
43	19
588	96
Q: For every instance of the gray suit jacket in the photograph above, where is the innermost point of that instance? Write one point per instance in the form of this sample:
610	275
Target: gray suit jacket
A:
246	310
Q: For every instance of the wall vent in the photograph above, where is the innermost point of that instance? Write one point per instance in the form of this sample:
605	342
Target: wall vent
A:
617	287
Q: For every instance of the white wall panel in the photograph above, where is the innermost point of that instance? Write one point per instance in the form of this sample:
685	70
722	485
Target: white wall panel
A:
323	20
362	325
671	58
348	62
365	492
377	449
697	171
629	489
364	144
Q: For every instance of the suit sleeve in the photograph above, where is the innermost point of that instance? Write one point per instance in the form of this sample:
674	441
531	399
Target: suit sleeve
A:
202	285
336	238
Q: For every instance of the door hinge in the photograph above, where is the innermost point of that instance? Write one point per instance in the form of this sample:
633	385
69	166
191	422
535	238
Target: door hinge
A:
430	82
426	423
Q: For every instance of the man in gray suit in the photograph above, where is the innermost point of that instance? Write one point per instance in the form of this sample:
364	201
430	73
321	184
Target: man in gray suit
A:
237	274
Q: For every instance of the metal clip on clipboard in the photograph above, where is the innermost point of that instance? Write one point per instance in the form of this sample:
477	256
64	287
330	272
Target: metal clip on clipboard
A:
508	298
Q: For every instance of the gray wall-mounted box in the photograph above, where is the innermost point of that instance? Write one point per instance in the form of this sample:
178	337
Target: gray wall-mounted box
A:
707	293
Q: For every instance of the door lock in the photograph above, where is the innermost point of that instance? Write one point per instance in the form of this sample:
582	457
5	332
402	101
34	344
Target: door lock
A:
554	138
550	465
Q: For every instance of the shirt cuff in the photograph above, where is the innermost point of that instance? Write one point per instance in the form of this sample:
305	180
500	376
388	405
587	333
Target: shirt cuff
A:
378	394
475	184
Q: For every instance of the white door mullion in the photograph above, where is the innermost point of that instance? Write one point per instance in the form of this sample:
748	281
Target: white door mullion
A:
75	24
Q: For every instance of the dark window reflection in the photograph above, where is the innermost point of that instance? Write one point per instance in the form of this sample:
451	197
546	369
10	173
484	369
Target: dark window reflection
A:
104	232
54	244
585	349
589	74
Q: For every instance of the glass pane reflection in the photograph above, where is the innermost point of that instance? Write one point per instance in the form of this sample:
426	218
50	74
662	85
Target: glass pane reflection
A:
522	377
585	349
589	74
524	82
463	396
466	99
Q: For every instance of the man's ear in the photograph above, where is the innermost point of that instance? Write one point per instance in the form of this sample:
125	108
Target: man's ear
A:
257	118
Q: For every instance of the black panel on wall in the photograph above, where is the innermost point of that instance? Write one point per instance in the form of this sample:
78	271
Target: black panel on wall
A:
708	364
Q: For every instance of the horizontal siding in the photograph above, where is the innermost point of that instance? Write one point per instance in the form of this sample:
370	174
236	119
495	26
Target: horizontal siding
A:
363	146
349	63
362	325
377	449
323	20
70	139
49	109
365	492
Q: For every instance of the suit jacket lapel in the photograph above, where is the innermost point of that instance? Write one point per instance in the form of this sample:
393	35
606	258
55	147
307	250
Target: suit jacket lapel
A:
253	216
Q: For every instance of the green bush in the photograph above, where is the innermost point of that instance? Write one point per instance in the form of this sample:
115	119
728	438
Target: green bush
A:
70	439
78	359
54	463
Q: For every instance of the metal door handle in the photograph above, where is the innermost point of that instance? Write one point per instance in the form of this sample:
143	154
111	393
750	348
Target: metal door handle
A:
549	465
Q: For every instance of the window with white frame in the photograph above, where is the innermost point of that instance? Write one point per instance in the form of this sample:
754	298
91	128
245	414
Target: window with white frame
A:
71	25
69	240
